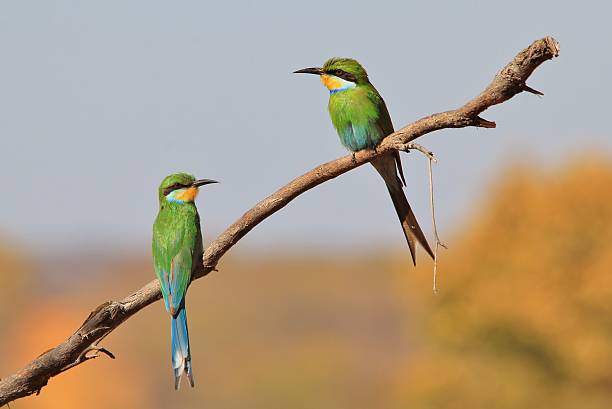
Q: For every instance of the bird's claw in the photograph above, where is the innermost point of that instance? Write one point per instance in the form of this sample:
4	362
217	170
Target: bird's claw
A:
354	158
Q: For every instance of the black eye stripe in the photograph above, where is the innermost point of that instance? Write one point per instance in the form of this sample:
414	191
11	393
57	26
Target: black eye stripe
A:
342	74
174	187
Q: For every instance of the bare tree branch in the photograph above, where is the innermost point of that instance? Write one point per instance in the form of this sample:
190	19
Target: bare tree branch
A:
83	344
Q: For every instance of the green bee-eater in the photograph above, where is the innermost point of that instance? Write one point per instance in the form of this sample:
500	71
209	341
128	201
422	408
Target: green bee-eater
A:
362	120
177	252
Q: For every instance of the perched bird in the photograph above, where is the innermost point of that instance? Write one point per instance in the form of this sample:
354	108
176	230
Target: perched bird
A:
177	252
362	120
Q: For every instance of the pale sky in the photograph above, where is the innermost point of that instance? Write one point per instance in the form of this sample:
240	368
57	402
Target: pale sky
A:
99	100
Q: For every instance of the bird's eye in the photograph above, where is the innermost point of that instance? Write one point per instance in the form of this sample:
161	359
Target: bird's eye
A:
338	72
172	188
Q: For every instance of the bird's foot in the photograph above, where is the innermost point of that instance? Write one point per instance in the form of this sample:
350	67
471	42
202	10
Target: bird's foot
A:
354	158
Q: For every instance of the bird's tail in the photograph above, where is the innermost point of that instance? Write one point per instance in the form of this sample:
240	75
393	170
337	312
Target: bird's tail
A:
386	166
181	357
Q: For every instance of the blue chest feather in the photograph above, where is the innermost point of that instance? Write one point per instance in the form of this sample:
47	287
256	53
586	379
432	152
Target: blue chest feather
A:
356	138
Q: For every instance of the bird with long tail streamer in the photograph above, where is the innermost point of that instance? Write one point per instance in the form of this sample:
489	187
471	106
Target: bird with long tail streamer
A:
177	252
362	120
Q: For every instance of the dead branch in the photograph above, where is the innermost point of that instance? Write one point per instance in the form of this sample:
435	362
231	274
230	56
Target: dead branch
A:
434	224
510	81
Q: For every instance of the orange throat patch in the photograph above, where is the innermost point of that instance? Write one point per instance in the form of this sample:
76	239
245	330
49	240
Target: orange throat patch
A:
187	195
331	82
336	84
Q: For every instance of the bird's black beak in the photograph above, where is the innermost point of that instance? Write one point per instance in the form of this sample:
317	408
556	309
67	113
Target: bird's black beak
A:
203	182
311	70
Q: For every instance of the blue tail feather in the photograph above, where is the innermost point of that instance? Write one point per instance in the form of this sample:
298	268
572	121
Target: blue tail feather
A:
181	356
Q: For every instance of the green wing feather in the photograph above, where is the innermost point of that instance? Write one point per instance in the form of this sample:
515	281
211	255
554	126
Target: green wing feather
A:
177	243
383	122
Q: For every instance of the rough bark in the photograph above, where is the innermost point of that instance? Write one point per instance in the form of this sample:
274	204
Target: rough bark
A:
82	345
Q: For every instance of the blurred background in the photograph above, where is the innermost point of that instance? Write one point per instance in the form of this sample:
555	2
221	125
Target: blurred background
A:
100	100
